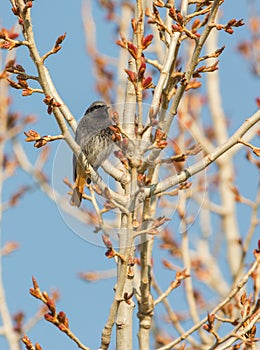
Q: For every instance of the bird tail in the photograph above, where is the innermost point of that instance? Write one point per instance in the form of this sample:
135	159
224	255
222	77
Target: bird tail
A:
78	191
76	197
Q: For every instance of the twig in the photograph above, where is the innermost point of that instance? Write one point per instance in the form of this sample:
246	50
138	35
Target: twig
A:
189	288
174	284
198	13
154	63
239	331
36	173
44	77
40	141
204	163
58	319
188	75
119	175
107	331
7	324
171	314
233	292
249	235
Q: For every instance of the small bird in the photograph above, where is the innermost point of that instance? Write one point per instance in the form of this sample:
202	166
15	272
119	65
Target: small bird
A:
95	137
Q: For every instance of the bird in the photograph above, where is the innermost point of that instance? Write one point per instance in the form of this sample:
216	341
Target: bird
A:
95	138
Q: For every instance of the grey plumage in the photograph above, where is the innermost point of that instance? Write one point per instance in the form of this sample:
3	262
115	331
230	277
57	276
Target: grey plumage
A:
95	139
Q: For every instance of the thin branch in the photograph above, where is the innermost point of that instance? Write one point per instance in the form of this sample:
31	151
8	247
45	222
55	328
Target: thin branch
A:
174	284
165	124
166	67
239	331
107	331
44	77
251	230
206	161
7	325
59	319
154	63
171	314
231	295
225	164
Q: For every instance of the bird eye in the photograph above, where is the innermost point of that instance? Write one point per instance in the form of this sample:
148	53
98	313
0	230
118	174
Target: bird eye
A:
94	107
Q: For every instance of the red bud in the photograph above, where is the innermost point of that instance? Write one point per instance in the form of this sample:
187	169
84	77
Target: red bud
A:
131	75
132	49
49	318
107	242
229	30
142	67
147	83
146	41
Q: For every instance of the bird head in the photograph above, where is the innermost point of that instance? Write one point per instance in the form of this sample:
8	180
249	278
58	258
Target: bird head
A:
97	106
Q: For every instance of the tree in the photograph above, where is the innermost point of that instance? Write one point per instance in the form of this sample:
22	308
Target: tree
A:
172	184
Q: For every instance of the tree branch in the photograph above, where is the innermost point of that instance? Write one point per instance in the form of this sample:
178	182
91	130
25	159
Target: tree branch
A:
231	295
206	161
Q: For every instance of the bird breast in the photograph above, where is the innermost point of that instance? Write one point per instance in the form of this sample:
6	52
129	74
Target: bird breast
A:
98	148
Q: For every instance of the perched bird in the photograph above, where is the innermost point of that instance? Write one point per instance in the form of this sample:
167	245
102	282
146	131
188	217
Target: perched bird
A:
95	137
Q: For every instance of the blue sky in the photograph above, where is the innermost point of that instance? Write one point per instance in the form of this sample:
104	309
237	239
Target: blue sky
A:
49	250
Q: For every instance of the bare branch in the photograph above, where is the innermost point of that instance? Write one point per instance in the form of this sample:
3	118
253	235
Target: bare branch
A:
234	291
196	168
